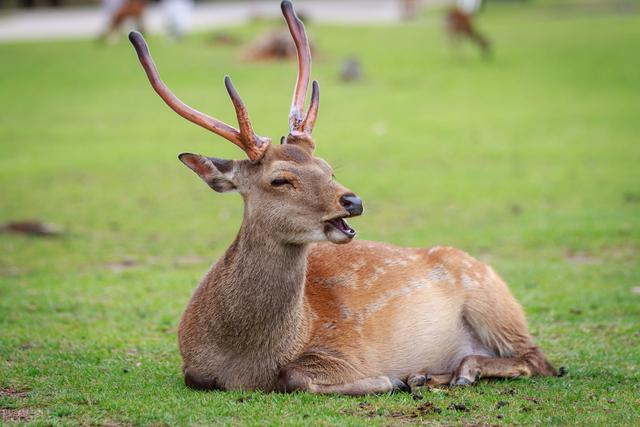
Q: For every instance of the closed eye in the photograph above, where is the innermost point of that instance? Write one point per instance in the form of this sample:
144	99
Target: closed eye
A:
278	182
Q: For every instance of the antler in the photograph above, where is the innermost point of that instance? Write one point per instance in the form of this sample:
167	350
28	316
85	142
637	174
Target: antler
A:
245	138
298	121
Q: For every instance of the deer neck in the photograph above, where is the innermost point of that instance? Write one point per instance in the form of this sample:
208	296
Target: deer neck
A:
260	292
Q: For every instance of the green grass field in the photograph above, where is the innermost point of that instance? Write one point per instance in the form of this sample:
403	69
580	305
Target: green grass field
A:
529	161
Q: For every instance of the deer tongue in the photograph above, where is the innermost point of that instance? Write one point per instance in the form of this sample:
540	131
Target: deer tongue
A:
341	224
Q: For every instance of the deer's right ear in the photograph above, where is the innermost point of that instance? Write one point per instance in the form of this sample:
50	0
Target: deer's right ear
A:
217	173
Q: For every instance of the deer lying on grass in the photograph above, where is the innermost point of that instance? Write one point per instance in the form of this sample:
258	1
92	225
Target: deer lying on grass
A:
283	309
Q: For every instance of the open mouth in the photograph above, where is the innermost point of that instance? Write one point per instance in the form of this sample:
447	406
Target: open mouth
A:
341	225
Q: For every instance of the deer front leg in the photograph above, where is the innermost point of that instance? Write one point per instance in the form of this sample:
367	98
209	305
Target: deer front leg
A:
475	367
293	380
472	368
424	379
324	373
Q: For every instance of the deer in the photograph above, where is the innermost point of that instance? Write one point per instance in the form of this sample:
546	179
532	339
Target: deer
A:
459	25
128	9
297	304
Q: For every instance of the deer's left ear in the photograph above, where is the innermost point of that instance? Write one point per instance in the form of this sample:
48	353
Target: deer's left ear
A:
217	173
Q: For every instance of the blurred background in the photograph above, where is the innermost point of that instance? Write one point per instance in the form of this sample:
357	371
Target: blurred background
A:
509	129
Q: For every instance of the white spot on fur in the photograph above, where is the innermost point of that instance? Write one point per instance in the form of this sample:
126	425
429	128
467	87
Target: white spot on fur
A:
345	312
404	291
377	273
438	274
396	261
433	250
468	282
358	264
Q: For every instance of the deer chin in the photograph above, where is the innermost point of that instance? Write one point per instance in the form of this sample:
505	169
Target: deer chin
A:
338	231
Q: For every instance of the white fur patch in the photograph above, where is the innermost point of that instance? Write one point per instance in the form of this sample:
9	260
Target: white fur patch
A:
345	312
468	282
438	274
403	291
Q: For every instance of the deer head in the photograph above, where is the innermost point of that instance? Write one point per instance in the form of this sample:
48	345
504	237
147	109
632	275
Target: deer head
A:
288	192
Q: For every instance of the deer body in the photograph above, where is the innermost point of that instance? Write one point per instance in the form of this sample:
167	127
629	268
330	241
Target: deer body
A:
385	310
290	307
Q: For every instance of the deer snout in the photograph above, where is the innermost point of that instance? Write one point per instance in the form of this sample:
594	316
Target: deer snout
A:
352	203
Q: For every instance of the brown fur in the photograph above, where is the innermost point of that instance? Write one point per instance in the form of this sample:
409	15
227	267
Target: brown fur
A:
279	312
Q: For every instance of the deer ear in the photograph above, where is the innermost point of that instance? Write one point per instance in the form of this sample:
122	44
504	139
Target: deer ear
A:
217	173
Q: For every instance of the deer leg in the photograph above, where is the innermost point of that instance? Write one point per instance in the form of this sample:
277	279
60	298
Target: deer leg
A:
199	382
372	385
294	380
327	372
475	367
472	368
423	379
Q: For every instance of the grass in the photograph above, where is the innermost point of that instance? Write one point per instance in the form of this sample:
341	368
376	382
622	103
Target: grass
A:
529	160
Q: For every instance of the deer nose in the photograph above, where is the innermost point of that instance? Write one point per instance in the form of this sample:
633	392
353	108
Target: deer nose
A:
352	203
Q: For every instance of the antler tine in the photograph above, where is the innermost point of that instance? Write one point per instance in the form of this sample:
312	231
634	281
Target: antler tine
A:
312	112
253	145
296	27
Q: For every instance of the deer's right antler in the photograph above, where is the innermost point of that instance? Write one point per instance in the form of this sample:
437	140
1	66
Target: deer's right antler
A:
245	138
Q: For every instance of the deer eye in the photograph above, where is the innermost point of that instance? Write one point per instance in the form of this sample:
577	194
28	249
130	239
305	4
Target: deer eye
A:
279	182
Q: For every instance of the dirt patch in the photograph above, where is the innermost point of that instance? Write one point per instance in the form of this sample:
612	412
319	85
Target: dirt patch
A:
31	228
11	392
426	408
127	263
16	415
10	271
460	407
190	260
509	392
123	265
580	258
632	197
366	408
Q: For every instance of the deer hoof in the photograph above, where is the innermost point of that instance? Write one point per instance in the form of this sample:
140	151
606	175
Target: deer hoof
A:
460	382
417	381
398	385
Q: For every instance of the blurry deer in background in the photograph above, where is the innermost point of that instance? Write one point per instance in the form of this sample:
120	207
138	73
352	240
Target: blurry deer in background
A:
120	11
291	306
459	24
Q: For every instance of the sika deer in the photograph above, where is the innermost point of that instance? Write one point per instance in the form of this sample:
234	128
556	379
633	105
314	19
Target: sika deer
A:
285	310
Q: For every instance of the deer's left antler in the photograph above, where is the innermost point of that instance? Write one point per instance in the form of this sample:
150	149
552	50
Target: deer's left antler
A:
299	122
